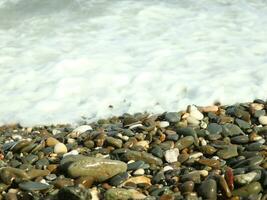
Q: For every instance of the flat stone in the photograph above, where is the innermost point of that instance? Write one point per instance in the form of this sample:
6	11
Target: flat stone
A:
172	117
207	149
119	178
245	191
242	124
136	165
229	152
214	128
33	186
184	142
209	162
231	130
244	179
99	168
240	139
147	157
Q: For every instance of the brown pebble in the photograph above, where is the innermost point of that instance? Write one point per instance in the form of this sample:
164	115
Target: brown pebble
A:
106	186
63	182
50	142
209	162
167	197
52	168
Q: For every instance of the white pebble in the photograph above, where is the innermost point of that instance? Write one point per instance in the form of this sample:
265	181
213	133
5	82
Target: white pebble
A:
203	125
60	148
73	152
203	142
138	172
167	168
195	155
263	120
215	158
71	140
135	126
17	137
164	124
194	112
82	129
55	131
193	121
171	155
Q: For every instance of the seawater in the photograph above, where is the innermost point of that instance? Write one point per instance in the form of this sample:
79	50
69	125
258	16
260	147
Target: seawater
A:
63	59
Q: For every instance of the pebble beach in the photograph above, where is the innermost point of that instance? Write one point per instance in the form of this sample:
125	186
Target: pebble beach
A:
212	152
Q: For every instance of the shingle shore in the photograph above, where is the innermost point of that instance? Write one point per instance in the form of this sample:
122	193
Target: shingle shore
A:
213	152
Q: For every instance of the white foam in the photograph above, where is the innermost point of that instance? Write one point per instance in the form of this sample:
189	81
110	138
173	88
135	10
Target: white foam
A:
60	60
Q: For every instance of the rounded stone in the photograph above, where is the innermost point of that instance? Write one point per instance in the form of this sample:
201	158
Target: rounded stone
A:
50	141
208	189
263	120
214	128
60	148
99	168
173	117
172	155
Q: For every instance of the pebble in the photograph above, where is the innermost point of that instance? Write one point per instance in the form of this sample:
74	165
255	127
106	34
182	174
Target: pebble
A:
208	189
82	129
244	179
123	194
33	186
172	117
214	128
263	120
164	124
229	152
252	188
195	113
99	168
139	172
60	148
231	130
147	157
184	142
50	141
172	155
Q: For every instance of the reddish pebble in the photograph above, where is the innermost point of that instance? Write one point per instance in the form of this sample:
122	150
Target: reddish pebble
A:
229	177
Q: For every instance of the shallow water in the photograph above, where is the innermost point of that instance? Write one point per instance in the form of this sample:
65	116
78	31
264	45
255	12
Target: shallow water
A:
60	60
